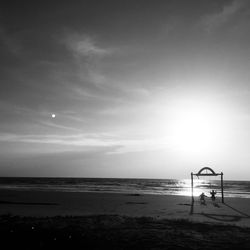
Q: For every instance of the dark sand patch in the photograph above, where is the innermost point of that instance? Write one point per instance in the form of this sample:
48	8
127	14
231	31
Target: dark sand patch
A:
133	194
135	203
27	203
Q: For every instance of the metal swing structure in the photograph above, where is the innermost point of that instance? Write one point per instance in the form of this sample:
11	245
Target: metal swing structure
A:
206	171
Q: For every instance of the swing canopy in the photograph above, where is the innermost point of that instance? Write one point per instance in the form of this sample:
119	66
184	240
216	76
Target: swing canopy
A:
206	171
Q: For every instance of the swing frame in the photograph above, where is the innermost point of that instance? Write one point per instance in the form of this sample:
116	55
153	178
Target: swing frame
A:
203	173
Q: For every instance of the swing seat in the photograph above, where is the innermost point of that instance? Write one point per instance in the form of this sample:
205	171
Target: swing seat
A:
203	202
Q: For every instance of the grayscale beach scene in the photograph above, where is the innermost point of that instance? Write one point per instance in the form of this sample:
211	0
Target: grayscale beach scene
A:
125	124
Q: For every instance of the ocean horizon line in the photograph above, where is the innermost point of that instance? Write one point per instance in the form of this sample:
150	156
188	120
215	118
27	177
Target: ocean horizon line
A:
143	178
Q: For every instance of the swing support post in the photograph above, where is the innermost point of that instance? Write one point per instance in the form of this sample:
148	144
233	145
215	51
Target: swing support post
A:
222	188
192	186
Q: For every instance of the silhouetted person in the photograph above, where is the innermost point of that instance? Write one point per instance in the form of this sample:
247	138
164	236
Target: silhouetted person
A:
202	199
213	193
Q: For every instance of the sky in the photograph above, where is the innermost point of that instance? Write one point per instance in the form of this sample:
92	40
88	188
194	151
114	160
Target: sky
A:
130	89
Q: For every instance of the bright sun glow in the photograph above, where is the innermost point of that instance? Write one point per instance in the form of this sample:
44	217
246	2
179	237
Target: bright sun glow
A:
196	127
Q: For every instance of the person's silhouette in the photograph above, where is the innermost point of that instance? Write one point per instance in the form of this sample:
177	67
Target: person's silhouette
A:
202	199
213	193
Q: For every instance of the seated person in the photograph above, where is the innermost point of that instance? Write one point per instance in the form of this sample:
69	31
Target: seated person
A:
202	199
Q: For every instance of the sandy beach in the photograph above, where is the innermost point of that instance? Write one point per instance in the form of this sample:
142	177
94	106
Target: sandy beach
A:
235	211
66	220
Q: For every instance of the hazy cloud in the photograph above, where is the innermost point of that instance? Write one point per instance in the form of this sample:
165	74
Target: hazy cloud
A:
223	15
80	140
84	45
116	144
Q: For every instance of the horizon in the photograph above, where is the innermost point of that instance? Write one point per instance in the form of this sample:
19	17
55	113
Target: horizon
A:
141	178
133	89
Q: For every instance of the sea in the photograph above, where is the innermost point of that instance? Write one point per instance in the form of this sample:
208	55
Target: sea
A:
128	186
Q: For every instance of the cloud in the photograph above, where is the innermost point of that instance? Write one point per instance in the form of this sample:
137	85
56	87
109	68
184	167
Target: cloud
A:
84	45
223	16
73	140
87	59
116	144
50	124
142	145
